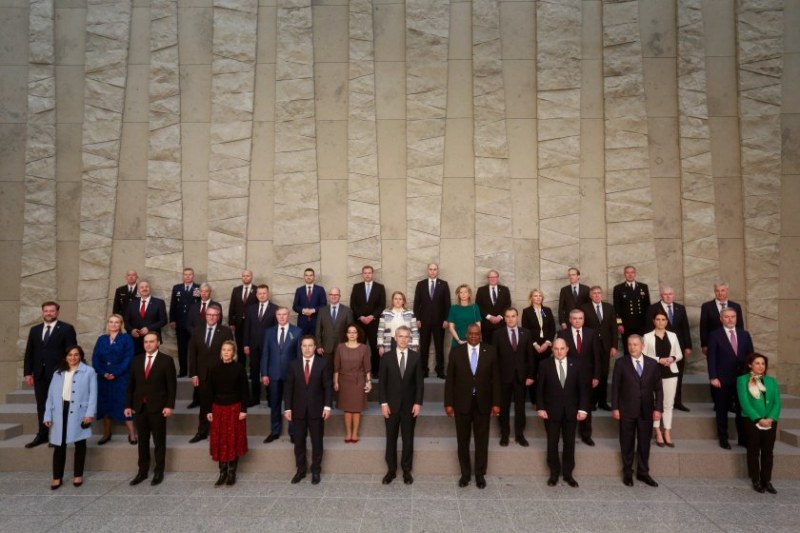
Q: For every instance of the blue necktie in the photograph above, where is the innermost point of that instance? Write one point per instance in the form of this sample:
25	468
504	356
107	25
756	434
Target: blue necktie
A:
473	360
639	367
333	314
671	315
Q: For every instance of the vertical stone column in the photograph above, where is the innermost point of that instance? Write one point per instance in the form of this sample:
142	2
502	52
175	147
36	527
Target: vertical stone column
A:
760	61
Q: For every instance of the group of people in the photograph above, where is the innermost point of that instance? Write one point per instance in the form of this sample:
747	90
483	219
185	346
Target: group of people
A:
497	356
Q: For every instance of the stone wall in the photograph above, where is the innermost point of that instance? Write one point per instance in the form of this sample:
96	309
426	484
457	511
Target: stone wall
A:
526	136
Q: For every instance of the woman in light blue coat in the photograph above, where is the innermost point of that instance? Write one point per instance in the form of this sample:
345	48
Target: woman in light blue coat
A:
70	409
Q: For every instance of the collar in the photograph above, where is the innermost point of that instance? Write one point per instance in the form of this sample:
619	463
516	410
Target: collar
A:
153	355
470	347
51	324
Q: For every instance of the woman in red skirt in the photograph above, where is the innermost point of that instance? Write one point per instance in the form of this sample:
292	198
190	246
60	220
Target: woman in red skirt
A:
229	394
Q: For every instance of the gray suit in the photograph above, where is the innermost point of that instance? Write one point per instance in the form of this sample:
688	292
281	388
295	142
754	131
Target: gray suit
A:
328	333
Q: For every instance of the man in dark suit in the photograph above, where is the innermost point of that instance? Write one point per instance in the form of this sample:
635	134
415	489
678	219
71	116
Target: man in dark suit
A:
145	313
242	296
431	306
308	298
204	350
631	301
183	296
472	393
728	349
196	317
125	293
601	317
637	400
563	397
711	312
400	391
308	398
260	317
514	348
584	347
332	323
368	300
678	324
151	396
47	346
492	299
281	346
572	296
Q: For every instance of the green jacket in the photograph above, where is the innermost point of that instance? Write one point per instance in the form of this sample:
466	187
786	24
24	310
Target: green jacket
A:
754	409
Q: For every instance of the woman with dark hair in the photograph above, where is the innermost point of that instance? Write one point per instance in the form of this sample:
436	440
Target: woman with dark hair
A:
760	401
663	346
69	411
352	379
111	359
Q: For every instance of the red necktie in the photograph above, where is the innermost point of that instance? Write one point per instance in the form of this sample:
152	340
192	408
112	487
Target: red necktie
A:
147	366
244	295
308	294
579	342
307	372
141	310
203	312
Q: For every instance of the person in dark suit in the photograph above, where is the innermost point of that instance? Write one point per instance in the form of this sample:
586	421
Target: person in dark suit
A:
368	300
431	305
308	397
151	396
514	348
584	347
472	393
308	298
563	398
242	296
601	317
183	296
196	317
260	317
145	313
47	345
332	323
572	296
728	349
711	311
539	320
281	346
679	325
637	400
125	293
492	299
204	350
401	388
631	301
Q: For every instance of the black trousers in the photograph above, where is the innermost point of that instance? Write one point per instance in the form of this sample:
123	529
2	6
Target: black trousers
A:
726	399
402	424
255	374
40	388
60	452
600	393
634	438
512	391
371	332
760	444
204	399
565	430
315	427
184	336
154	424
585	426
427	333
476	424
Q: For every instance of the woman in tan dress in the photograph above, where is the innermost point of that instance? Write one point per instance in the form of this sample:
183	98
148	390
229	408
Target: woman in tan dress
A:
351	379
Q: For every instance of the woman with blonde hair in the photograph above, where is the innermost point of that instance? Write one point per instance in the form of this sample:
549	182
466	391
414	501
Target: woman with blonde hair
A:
111	359
391	319
462	314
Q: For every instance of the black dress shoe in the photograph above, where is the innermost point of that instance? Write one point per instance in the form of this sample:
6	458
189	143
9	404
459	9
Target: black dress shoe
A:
441	375
588	441
138	479
463	481
192	405
628	481
552	481
315	478
681	407
503	441
197	438
757	487
480	482
103	440
408	479
647	480
158	477
605	407
521	440
291	439
253	403
298	477
271	437
388	478
571	482
37	440
724	444
769	488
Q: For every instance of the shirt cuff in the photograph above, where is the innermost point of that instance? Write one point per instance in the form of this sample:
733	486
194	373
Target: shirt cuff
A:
326	408
582	411
384	404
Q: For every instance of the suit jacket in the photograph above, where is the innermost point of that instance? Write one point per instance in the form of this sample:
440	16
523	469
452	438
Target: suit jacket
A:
483	299
606	331
723	363
401	393
710	320
237	309
563	403
194	320
155	316
180	301
328	334
274	359
159	387
122	297
373	306
515	365
301	301
431	311
631	306
41	359
308	401
637	397
589	355
679	325
254	328
567	301
201	357
548	330
460	382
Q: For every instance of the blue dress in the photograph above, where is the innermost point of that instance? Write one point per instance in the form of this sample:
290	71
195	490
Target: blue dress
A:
112	358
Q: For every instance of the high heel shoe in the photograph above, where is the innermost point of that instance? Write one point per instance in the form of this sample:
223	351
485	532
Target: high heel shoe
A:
669	442
659	439
77	483
132	442
56	487
103	440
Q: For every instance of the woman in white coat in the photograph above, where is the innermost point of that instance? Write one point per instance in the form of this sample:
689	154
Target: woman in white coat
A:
70	409
662	345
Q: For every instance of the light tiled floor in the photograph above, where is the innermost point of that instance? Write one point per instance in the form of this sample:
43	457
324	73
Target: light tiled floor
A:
187	501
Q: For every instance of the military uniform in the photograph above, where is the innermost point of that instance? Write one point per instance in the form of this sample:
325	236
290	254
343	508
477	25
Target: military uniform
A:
631	301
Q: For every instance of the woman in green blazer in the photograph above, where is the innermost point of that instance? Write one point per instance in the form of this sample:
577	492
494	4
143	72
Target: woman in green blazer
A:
760	400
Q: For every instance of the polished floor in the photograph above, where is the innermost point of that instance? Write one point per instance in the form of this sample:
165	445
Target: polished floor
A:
187	501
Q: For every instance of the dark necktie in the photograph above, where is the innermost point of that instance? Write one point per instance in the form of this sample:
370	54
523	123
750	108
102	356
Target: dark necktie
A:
671	316
282	338
147	366
333	314
244	294
433	288
579	342
46	334
494	295
307	372
308	294
209	332
575	293
402	364
260	311
514	339
203	312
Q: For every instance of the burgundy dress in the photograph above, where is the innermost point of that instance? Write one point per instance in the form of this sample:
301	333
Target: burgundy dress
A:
229	393
352	365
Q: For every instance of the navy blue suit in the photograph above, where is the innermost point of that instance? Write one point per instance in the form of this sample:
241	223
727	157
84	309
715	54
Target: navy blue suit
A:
727	366
301	301
275	361
589	359
710	319
179	304
307	403
252	338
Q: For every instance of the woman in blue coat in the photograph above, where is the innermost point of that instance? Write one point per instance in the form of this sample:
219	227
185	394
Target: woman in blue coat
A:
111	359
70	408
